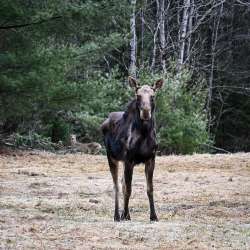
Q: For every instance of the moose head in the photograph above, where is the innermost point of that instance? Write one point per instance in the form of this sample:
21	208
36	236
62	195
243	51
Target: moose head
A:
145	97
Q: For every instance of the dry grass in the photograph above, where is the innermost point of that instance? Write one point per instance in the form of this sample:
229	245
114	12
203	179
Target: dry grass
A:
50	201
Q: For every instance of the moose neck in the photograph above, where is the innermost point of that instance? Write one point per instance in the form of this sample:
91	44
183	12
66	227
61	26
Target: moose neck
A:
144	126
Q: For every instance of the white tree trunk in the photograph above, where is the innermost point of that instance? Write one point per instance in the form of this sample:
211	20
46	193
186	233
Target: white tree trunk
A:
183	32
190	27
133	41
162	34
142	37
155	36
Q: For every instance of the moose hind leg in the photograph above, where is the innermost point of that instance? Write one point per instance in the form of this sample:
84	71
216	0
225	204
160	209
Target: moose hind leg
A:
113	165
149	172
127	189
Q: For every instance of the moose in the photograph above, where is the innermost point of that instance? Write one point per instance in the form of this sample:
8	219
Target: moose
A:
130	137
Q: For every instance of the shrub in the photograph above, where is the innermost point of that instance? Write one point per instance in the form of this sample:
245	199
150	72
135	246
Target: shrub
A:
32	140
60	131
87	126
180	114
100	95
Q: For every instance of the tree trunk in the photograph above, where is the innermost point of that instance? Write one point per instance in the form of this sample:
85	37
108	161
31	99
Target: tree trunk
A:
155	36
142	37
133	41
183	32
213	58
162	34
190	27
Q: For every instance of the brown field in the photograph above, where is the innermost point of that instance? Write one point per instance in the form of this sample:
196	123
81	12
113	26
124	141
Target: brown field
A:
50	201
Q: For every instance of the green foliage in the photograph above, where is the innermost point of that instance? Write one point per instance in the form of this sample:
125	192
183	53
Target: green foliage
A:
181	117
60	131
99	96
104	93
32	140
51	65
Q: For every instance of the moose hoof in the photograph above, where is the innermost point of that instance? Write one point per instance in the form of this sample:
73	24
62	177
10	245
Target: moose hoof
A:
125	216
117	217
153	218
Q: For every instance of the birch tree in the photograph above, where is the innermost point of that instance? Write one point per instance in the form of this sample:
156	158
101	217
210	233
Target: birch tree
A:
183	32
162	34
142	36
133	40
190	27
156	31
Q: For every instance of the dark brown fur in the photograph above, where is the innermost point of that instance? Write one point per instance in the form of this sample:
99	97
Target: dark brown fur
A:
130	137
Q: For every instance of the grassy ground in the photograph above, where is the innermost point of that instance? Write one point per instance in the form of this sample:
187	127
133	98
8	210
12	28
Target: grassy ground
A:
50	201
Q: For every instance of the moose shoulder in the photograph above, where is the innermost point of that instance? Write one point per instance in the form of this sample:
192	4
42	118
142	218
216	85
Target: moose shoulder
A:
130	137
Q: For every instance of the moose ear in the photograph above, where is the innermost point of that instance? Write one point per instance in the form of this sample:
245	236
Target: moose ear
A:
158	84
132	82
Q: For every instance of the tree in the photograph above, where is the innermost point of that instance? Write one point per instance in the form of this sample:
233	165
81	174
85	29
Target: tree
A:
183	33
133	40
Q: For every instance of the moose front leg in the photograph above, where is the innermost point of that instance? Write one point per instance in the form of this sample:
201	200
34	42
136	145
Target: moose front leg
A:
149	172
127	189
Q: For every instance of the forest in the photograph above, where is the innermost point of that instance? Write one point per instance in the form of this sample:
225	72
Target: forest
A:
64	66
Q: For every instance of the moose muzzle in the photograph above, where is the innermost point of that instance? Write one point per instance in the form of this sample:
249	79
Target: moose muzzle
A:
145	114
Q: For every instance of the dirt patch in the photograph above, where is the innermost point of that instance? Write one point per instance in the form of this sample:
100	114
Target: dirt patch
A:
50	201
